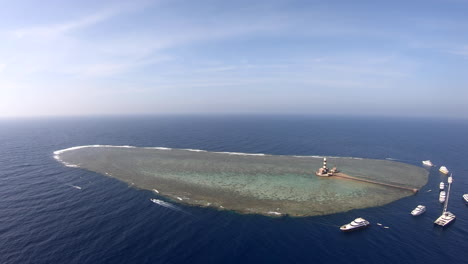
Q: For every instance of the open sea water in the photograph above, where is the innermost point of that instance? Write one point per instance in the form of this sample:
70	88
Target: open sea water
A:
50	213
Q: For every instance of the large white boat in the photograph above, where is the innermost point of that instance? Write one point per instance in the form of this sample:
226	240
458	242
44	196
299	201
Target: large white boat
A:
358	223
446	217
441	186
427	163
420	209
465	197
442	196
444	170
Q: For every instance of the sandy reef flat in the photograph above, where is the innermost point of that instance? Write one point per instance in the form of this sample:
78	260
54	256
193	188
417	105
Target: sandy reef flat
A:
249	183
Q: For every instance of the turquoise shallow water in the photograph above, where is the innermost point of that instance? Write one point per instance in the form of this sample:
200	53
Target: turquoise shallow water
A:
250	183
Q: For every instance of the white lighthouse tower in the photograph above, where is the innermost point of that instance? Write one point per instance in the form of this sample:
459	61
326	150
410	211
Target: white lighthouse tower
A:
323	172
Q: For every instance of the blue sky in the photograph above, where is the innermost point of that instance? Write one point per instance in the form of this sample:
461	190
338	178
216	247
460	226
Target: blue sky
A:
389	58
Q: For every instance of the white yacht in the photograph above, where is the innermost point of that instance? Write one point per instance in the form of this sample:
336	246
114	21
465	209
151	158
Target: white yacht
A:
441	186
427	163
442	197
358	223
465	197
446	217
420	209
444	170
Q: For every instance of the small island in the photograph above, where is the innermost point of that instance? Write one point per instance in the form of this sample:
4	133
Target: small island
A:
252	183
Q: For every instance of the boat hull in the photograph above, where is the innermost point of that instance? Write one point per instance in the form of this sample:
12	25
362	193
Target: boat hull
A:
427	163
442	196
444	170
444	223
418	212
465	198
358	223
353	229
322	175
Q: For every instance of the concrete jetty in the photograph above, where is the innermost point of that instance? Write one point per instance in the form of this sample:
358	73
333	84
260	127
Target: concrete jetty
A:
344	176
324	171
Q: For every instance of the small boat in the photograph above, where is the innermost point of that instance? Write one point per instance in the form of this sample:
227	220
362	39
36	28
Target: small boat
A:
465	197
444	170
357	223
156	201
441	186
427	163
420	209
445	219
442	197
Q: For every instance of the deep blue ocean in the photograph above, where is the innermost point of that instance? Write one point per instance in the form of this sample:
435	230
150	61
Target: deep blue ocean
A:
45	219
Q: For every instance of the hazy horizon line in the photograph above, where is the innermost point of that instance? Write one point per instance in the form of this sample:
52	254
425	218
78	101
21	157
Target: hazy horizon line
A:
232	114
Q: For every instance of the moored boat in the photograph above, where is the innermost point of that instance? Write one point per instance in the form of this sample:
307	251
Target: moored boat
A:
357	223
442	197
420	209
441	186
427	163
446	217
465	197
444	170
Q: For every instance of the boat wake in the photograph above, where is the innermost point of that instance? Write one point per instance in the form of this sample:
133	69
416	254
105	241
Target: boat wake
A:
74	186
168	205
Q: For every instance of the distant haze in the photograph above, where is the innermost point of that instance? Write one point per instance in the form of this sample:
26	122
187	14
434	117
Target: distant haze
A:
389	58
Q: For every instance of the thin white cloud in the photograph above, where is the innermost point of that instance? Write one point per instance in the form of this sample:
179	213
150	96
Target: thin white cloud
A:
64	27
107	69
128	50
50	48
461	50
164	53
51	31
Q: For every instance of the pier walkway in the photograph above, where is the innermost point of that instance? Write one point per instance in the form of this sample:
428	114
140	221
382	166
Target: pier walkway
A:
344	176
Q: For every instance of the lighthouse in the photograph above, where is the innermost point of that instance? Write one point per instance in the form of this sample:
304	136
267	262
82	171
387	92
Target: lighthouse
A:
324	171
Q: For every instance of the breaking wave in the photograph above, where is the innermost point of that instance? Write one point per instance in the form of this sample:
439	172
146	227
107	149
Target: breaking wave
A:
58	152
